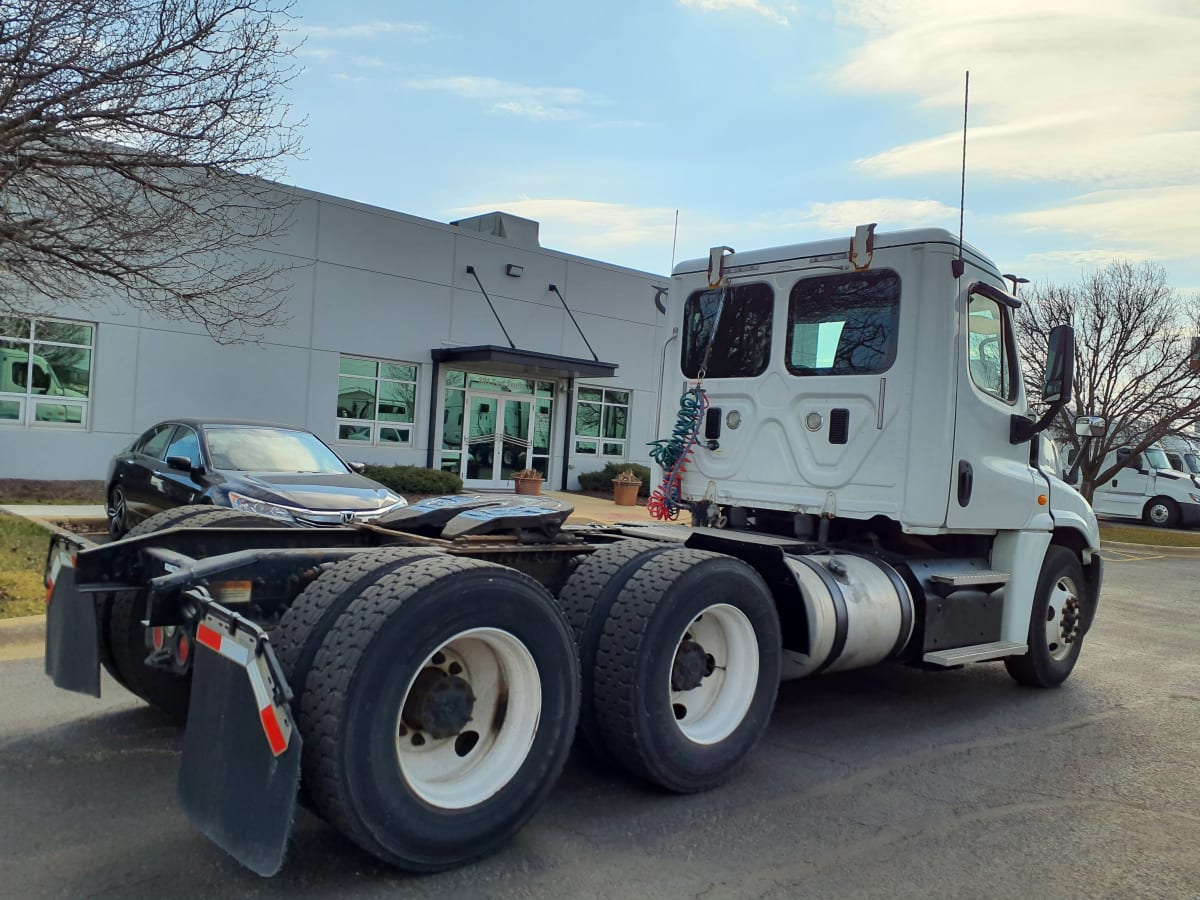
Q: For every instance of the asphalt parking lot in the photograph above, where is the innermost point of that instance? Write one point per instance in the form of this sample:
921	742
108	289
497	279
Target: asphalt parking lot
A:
888	782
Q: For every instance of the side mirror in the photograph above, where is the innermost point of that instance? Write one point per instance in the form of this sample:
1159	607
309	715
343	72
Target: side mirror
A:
357	467
1060	365
1090	426
182	463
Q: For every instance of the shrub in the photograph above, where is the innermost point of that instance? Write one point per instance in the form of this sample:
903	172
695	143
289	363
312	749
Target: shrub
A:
602	480
415	480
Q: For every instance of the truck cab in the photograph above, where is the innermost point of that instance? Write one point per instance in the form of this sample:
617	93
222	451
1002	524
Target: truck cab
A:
872	395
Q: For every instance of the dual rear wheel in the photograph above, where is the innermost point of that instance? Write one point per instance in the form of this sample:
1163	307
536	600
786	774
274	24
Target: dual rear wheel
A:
680	651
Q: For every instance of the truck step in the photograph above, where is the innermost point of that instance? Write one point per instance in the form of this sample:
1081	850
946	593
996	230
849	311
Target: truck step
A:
945	585
957	656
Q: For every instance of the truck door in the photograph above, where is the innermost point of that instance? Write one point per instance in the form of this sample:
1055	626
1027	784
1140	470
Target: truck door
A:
992	485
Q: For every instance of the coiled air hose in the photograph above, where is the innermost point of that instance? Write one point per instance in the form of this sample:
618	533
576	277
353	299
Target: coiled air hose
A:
672	454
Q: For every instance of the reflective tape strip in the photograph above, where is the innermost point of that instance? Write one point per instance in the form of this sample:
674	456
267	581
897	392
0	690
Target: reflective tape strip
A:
275	721
270	724
225	644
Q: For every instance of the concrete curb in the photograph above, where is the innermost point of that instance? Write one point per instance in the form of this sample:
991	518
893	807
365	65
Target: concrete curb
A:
22	630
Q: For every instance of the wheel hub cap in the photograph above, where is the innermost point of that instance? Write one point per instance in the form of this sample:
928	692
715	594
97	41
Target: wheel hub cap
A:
439	704
692	665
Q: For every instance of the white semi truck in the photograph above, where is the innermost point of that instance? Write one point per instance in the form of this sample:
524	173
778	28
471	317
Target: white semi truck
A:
854	445
1148	488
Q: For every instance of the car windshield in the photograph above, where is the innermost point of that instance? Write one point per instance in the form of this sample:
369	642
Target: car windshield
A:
256	449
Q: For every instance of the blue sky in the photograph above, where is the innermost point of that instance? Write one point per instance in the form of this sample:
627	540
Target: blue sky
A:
768	122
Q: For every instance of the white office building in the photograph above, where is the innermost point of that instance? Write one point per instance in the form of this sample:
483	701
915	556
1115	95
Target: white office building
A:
463	346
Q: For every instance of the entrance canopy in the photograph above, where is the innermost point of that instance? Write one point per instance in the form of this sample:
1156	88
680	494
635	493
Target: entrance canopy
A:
527	362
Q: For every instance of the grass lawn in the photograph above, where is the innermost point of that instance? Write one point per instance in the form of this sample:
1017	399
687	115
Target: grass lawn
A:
22	557
1159	537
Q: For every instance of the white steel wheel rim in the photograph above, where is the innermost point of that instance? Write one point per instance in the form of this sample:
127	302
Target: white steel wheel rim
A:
1062	619
1159	513
711	711
508	702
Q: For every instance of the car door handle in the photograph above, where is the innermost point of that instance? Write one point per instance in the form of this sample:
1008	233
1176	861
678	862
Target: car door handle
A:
966	481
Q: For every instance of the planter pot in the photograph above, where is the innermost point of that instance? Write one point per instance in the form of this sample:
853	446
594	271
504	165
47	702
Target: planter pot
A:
625	492
528	485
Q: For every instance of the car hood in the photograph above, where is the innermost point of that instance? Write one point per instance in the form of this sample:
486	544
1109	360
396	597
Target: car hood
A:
312	491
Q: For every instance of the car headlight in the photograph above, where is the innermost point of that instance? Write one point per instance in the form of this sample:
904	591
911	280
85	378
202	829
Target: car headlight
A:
249	504
1195	498
394	501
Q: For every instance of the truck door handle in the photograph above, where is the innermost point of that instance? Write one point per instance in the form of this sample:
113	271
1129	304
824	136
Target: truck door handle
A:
966	481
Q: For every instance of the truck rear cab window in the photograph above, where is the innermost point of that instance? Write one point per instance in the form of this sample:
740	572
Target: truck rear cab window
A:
731	329
843	324
991	351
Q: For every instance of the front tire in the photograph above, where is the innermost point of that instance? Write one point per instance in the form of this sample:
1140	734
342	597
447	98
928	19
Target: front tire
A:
439	712
687	669
1163	512
1055	634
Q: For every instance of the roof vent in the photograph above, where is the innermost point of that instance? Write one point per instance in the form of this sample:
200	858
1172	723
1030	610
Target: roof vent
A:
523	232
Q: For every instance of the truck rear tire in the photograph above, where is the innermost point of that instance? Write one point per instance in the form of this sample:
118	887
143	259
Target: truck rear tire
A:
586	599
302	628
1161	511
439	711
128	639
687	669
1055	637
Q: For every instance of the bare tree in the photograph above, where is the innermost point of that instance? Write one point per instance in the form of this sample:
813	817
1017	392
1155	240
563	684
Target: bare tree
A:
1133	364
134	137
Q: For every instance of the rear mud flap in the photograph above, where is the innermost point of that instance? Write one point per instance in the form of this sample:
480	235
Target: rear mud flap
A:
240	772
72	642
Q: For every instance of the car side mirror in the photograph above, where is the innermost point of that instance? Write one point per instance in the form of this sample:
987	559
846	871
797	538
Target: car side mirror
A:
358	467
182	463
1060	366
1090	426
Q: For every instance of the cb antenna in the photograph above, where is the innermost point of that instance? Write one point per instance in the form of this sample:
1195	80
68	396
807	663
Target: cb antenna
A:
958	266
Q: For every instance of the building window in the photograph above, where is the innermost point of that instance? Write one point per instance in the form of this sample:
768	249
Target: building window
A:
376	402
601	422
45	371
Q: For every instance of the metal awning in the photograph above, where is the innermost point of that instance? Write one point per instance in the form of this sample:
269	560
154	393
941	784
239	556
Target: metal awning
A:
526	361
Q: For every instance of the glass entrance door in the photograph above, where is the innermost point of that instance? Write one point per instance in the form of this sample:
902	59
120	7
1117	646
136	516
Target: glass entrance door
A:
493	426
497	438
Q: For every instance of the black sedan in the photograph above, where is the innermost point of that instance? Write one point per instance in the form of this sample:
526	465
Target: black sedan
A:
276	470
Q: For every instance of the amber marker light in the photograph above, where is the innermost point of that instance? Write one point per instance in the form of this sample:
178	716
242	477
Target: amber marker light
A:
1043	499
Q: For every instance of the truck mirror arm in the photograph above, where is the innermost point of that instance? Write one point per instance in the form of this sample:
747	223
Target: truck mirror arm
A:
1023	428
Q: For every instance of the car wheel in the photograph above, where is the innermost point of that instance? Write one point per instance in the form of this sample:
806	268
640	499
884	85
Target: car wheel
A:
118	513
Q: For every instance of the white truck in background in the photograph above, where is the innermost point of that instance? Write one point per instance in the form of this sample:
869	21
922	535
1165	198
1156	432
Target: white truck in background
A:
854	445
1183	453
1149	488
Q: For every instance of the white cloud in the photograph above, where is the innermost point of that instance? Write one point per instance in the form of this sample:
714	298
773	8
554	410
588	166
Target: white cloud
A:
526	101
366	30
771	11
1099	91
1157	219
643	235
343	76
890	213
1086	258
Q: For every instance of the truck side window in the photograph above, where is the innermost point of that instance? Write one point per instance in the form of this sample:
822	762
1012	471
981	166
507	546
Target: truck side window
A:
736	321
990	350
843	324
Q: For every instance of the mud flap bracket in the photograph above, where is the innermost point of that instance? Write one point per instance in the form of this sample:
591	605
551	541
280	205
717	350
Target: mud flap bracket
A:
240	772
